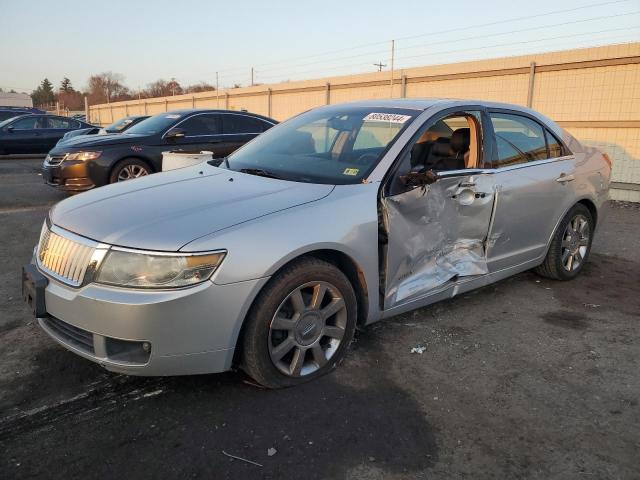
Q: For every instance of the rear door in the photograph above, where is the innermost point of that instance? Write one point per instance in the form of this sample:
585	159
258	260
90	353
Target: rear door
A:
534	175
238	129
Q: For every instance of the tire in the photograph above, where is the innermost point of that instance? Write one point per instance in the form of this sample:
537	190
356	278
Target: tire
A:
286	342
572	239
128	169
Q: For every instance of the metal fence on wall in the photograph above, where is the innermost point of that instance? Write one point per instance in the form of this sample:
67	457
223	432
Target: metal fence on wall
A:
594	93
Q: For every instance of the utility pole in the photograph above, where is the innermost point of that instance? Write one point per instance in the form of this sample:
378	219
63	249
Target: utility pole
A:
393	58
217	92
252	76
380	66
173	86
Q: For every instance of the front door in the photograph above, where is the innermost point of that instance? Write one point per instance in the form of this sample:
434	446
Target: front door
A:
25	135
437	232
202	132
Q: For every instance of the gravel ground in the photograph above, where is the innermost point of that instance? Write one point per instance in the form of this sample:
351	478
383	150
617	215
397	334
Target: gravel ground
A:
527	378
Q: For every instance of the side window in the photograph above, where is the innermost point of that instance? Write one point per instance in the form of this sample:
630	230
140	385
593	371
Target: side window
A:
555	147
451	143
29	123
519	139
236	124
61	123
201	125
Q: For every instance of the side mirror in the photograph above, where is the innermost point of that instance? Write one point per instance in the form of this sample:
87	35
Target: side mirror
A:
175	133
422	177
10	128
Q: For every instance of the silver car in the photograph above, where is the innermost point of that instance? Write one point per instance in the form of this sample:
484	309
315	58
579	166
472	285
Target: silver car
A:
339	217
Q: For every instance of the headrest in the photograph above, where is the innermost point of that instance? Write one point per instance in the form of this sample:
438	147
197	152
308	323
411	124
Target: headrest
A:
460	140
441	148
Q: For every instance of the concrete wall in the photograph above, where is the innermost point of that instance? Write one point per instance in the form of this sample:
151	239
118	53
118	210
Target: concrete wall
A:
593	92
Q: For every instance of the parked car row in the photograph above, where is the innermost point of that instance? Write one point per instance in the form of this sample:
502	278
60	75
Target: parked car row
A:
269	257
87	161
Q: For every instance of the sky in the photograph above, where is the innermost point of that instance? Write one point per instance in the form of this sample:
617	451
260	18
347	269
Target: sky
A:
190	40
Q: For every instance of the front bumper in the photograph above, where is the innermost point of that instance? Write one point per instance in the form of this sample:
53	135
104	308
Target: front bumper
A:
136	332
70	176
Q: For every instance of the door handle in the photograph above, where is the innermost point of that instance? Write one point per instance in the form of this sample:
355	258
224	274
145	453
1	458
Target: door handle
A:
563	178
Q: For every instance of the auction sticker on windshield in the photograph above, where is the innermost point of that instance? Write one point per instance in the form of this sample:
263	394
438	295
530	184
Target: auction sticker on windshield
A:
386	117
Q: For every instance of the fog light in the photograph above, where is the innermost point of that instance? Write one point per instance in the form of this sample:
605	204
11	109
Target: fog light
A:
146	346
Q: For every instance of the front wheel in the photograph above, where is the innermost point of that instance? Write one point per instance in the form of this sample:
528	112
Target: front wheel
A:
570	246
128	169
300	325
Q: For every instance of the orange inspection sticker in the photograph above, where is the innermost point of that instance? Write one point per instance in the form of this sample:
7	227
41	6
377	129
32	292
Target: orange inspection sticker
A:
351	171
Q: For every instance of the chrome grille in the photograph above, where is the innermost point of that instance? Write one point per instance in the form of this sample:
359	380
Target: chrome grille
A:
64	258
54	160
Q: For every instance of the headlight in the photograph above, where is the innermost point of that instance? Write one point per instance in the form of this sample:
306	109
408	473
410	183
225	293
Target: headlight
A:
82	156
149	270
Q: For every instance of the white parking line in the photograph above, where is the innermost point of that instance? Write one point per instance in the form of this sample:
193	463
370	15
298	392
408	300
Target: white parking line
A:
25	209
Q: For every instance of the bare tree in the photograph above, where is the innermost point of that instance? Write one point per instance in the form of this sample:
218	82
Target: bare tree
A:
107	87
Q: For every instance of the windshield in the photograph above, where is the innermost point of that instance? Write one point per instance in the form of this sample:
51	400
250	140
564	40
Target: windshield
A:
120	125
156	124
6	122
338	145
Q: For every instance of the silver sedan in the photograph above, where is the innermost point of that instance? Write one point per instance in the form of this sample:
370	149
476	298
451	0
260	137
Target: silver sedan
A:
338	217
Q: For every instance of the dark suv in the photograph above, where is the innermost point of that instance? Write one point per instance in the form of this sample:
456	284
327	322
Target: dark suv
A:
83	163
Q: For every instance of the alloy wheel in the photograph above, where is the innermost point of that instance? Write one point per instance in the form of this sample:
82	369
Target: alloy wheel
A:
575	242
307	329
131	171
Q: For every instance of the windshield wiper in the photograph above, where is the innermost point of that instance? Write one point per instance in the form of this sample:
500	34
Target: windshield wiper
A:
260	172
216	162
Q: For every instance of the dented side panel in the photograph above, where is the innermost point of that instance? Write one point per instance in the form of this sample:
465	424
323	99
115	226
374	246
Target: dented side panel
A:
436	233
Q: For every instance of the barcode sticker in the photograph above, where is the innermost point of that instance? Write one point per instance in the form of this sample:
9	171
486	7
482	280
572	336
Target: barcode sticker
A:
386	117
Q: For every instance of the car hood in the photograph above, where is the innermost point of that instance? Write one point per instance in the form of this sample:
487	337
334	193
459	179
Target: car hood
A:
84	141
166	211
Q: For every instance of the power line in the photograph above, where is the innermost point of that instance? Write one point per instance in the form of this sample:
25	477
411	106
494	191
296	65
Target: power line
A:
344	66
475	37
520	30
523	42
439	32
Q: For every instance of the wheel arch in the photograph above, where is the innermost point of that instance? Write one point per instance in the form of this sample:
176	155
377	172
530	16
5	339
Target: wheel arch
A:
342	261
148	162
588	203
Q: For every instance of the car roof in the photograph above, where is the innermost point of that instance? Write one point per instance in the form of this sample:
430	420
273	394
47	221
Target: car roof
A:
422	104
187	111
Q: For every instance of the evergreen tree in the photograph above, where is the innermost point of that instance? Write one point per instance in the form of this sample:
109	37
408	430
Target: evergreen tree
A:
65	85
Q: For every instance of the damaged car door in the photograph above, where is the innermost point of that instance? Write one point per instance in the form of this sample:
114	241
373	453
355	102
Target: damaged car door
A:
436	209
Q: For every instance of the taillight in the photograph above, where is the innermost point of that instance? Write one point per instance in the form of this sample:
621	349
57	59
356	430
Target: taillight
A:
608	160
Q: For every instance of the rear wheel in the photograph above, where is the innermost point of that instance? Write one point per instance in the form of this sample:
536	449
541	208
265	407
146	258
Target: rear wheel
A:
128	169
300	325
570	246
